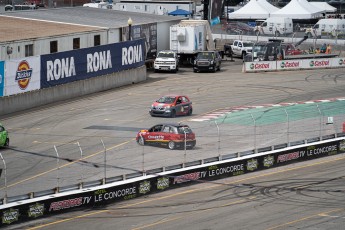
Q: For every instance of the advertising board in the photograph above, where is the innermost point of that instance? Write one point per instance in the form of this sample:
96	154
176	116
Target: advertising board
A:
81	64
289	64
260	66
22	75
316	63
166	180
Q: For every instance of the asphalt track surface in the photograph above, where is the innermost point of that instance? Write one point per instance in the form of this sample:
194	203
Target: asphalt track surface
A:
116	115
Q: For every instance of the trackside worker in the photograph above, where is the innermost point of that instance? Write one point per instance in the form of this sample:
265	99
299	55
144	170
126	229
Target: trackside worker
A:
328	49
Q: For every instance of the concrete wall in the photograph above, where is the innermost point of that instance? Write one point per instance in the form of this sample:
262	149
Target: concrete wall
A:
28	100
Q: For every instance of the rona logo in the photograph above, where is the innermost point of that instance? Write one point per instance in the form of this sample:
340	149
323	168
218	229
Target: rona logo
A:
23	75
132	55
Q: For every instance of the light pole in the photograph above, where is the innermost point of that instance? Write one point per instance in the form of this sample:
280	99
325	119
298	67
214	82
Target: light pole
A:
130	22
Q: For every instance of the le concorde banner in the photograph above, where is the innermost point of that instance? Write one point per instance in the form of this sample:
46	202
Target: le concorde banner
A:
2	78
69	66
136	189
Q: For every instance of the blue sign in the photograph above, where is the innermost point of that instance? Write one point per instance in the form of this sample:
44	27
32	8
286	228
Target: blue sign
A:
215	21
69	66
2	78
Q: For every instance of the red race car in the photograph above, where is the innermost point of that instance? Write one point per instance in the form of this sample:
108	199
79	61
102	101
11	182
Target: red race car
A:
171	106
168	135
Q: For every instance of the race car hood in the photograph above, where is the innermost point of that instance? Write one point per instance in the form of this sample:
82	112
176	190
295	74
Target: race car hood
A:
161	105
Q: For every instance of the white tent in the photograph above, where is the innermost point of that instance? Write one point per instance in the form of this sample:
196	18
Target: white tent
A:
324	5
255	9
299	9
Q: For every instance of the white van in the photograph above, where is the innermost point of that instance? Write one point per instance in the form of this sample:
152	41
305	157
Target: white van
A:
274	26
329	26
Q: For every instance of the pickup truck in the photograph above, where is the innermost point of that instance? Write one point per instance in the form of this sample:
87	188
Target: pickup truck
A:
166	60
241	48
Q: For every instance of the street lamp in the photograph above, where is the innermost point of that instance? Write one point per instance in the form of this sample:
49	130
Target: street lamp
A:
130	22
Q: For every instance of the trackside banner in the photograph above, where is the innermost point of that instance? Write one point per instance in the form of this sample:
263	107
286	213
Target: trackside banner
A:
69	66
164	181
294	64
22	75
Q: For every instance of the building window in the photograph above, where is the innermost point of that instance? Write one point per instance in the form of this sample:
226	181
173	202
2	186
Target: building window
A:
53	47
97	40
76	43
29	50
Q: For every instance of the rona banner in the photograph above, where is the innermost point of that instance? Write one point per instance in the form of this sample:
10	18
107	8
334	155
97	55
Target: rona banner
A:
69	66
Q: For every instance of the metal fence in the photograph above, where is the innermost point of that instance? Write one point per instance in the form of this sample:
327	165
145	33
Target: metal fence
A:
239	132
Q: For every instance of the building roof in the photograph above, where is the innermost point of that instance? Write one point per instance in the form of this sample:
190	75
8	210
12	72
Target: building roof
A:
13	29
91	16
19	25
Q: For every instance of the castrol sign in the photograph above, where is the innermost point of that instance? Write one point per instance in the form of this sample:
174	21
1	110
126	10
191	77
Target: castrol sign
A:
289	64
259	66
316	63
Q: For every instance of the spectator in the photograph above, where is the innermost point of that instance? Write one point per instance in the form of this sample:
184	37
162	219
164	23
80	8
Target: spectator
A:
323	48
317	51
328	49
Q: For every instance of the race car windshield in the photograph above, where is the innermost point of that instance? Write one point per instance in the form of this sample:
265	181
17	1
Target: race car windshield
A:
184	129
167	100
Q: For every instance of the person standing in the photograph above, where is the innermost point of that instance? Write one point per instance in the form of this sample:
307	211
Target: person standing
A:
328	49
323	48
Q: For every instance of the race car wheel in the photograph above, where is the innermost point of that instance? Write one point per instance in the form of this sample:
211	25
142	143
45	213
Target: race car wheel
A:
173	114
7	143
171	145
141	141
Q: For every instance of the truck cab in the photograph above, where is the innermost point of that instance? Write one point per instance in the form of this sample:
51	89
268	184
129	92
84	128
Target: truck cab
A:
166	60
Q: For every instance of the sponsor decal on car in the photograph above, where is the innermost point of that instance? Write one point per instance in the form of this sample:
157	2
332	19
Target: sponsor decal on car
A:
158	137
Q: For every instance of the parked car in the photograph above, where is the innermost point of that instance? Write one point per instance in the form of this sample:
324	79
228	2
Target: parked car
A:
4	138
166	60
171	106
171	136
207	61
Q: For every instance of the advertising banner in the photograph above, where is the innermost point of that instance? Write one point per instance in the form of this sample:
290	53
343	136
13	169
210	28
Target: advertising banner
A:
338	62
148	32
316	63
22	75
260	66
2	78
289	64
144	186
69	66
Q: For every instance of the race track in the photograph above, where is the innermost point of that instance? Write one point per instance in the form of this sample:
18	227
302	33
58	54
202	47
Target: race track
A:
115	116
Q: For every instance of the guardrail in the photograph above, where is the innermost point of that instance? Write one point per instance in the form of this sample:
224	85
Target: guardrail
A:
162	179
103	181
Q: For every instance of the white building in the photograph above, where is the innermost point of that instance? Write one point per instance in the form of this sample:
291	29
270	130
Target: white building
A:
158	7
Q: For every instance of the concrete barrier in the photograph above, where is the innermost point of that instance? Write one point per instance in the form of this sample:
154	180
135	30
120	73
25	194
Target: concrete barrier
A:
28	100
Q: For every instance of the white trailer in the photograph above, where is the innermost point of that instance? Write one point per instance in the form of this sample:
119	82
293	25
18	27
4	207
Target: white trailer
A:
329	26
189	37
274	26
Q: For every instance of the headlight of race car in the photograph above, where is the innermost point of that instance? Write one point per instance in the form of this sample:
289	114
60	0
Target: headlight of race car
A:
167	107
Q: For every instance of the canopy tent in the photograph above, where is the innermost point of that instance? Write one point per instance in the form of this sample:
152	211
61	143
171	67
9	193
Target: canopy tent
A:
255	9
324	5
299	9
180	12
